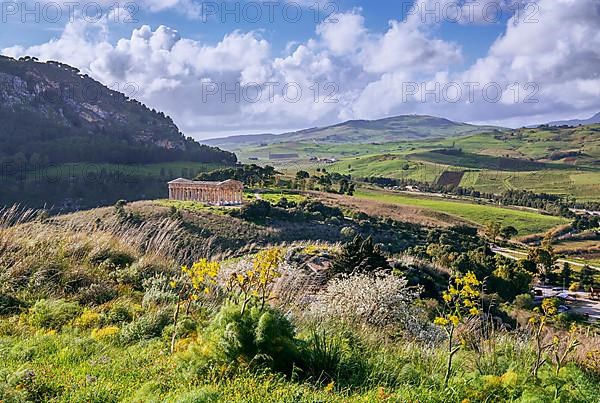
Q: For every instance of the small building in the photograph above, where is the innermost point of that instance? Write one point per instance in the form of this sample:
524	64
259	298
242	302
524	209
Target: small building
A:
226	193
289	156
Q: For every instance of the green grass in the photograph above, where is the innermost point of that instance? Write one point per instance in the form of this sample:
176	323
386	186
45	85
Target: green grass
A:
73	367
274	197
193	206
483	162
524	221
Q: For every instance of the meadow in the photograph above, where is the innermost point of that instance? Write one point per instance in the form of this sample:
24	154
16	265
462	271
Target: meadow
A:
525	222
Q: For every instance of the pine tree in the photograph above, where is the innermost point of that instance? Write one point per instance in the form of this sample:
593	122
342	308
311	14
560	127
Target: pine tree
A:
359	255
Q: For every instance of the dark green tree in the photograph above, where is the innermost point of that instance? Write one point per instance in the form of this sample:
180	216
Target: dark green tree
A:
586	278
509	232
566	274
359	255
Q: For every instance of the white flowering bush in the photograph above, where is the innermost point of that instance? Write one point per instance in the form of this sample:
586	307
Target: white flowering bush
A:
380	300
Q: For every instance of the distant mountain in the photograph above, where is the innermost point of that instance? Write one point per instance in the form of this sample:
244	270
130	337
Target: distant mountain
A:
52	114
398	128
578	122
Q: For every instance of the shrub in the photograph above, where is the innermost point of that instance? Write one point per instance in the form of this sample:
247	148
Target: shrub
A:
145	327
108	333
256	211
381	300
119	314
88	319
96	294
524	301
359	255
108	257
258	337
136	274
575	287
9	305
158	291
52	314
591	363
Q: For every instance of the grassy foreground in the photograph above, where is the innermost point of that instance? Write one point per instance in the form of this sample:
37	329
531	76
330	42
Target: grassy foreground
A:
95	307
72	366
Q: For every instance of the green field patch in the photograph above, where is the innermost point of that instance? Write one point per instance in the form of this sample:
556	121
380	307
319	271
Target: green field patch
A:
525	222
275	197
193	206
458	158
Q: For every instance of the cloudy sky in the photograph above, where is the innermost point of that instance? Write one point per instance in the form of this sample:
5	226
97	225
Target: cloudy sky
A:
229	67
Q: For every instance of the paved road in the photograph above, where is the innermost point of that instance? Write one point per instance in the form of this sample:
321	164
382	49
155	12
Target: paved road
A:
582	304
510	253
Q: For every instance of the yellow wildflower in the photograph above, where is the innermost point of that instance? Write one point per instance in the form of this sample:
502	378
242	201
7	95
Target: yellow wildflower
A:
441	321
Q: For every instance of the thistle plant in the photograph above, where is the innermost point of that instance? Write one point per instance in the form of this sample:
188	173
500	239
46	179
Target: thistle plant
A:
460	301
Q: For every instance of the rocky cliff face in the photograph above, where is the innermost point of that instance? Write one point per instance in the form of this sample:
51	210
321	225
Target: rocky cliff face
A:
46	107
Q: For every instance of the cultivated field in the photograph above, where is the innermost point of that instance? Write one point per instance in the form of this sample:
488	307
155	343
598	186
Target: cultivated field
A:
525	222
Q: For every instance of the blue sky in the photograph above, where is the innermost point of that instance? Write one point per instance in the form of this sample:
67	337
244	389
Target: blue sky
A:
475	38
371	59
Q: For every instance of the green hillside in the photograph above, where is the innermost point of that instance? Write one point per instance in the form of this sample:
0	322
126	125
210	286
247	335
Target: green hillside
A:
393	129
553	160
68	142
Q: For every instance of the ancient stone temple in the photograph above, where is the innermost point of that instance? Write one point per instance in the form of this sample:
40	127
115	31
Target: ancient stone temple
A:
226	193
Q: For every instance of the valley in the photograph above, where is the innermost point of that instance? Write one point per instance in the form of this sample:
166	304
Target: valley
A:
405	259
